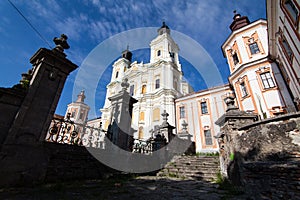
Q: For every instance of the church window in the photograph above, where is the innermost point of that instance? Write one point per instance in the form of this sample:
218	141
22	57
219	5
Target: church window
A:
175	85
142	116
157	83
141	132
131	90
182	112
235	58
254	49
292	10
208	138
144	89
117	74
156	114
81	116
204	107
267	80
287	49
243	89
158	53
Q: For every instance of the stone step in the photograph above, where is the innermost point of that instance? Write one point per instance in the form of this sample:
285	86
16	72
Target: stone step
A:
196	161
190	171
191	177
192	167
211	173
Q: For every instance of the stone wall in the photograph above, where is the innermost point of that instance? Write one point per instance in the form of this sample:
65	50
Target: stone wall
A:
264	157
10	102
51	162
70	162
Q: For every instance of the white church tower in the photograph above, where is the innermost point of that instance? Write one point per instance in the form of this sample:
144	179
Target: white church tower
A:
78	110
155	85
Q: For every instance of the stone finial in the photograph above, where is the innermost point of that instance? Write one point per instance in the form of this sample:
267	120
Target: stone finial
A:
25	81
229	101
61	43
125	84
184	126
165	116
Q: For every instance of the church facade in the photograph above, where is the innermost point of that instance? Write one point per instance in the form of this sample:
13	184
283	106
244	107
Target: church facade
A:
256	79
155	85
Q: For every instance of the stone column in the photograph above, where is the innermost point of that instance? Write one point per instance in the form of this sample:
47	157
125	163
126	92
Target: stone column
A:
229	123
23	159
184	134
120	131
50	70
166	129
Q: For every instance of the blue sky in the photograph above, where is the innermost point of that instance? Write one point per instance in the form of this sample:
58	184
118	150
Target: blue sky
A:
87	23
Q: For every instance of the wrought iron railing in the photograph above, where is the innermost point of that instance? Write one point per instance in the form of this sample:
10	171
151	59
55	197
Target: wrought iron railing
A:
144	147
149	146
66	131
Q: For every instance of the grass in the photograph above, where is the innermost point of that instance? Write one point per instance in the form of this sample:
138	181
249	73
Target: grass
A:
230	189
172	175
207	154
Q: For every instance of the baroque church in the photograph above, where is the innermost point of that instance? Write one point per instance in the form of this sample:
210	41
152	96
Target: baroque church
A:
256	80
155	85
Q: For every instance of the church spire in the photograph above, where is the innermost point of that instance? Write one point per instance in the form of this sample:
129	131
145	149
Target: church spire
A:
80	97
127	54
163	29
238	21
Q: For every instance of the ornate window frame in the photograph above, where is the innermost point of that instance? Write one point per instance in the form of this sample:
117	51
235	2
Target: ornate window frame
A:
287	11
252	40
270	79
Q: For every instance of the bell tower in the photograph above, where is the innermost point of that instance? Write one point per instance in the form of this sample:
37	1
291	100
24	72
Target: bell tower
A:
78	110
163	47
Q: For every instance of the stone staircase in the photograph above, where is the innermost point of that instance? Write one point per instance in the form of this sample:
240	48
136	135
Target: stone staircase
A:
200	168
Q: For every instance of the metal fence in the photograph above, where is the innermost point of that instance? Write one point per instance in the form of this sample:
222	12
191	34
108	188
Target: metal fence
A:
65	131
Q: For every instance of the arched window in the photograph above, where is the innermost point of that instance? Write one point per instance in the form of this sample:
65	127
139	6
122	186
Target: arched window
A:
131	90
117	74
144	89
158	53
142	116
156	114
141	133
157	83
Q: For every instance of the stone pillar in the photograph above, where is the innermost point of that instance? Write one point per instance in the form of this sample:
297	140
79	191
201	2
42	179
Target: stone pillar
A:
50	70
229	123
184	134
22	158
166	129
120	131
